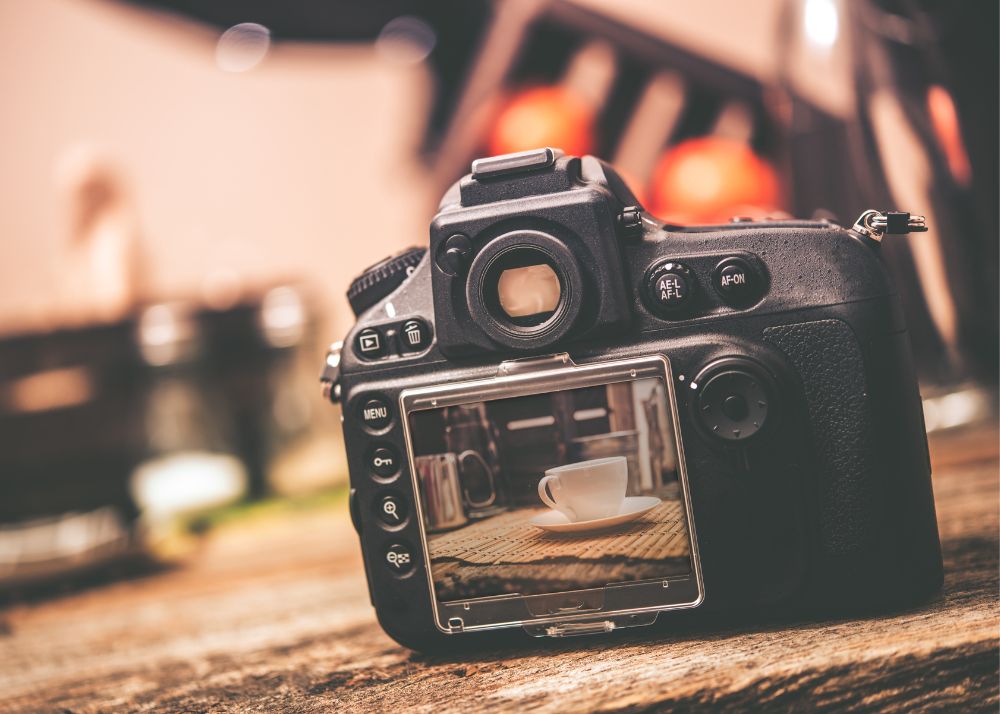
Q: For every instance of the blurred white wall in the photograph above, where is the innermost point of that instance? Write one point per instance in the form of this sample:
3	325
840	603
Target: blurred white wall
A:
298	168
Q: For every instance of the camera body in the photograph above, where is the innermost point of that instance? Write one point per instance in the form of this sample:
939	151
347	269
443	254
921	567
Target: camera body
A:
789	421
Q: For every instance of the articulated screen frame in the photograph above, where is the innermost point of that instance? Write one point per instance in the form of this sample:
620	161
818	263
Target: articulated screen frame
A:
512	610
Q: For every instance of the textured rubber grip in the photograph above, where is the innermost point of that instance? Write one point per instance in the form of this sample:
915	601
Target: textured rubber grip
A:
828	358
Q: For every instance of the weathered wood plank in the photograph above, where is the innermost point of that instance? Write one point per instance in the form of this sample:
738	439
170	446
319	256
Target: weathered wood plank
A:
277	618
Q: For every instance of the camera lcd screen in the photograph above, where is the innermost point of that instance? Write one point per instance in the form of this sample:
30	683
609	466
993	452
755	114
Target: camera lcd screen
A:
553	492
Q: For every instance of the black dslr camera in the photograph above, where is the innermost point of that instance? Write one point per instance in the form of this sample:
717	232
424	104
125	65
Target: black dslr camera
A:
566	417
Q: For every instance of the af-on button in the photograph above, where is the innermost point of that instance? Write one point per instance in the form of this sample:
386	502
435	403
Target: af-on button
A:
737	282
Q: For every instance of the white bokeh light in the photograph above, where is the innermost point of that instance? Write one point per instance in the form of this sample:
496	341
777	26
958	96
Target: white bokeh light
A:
406	40
242	47
822	22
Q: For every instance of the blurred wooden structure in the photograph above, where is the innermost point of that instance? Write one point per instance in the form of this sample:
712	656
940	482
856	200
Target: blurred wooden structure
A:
275	617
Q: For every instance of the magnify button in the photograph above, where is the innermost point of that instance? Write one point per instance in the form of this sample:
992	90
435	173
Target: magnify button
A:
392	510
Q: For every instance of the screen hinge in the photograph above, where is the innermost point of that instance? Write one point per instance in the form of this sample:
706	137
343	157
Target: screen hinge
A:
534	364
591	627
571	629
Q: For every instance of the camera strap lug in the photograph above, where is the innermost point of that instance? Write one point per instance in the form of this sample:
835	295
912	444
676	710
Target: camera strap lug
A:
329	378
630	222
533	364
877	224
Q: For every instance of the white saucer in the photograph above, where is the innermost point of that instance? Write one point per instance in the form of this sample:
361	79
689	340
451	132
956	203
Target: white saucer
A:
632	508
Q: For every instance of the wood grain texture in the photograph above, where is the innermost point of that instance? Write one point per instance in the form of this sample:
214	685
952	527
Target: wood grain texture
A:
277	618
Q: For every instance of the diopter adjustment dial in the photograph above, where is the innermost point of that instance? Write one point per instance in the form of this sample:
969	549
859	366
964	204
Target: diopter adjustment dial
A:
381	279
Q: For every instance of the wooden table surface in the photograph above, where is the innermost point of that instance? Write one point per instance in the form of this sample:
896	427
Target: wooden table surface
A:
274	616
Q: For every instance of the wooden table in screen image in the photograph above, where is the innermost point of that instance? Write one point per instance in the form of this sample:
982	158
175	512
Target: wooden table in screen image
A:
506	554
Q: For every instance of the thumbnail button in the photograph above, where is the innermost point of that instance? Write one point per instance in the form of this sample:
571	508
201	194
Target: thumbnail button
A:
383	461
375	413
414	336
399	558
370	343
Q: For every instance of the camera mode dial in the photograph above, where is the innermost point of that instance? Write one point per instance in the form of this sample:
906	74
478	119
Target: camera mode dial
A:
382	279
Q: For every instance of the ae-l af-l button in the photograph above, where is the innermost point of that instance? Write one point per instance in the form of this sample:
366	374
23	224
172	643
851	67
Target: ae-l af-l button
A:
668	287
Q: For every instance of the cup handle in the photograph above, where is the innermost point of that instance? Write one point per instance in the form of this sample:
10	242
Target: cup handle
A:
552	481
476	456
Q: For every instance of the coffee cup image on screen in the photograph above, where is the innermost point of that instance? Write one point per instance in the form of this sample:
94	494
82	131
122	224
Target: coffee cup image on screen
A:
551	492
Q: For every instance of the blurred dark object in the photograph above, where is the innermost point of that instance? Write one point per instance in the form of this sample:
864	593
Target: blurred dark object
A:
646	94
108	431
927	82
249	366
71	428
71	433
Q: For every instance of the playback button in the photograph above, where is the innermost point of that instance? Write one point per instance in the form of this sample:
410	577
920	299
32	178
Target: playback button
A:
383	461
370	344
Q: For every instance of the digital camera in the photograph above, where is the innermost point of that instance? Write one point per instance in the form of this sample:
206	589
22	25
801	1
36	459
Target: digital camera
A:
566	417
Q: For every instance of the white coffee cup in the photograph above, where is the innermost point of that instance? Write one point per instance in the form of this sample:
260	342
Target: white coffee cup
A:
587	490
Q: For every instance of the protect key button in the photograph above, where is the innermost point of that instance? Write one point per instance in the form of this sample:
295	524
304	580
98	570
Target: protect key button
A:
383	461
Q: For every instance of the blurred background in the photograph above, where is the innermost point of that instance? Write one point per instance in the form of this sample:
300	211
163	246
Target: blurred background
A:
188	189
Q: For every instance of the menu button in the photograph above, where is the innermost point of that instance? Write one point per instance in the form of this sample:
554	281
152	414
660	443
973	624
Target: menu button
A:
375	413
